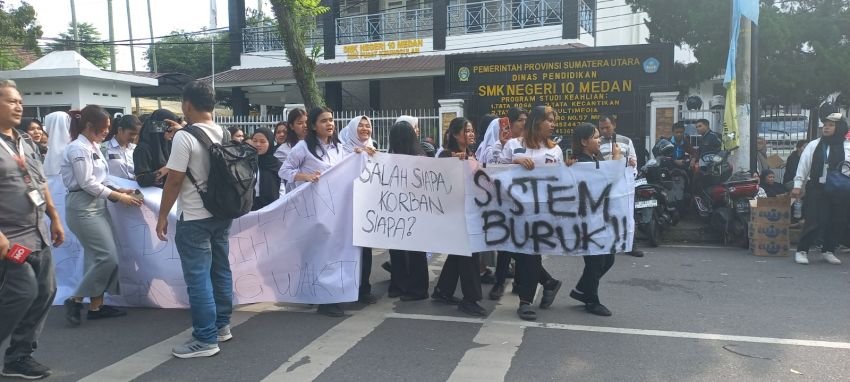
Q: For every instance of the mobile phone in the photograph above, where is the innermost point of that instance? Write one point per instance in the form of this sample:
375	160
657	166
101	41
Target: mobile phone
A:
160	126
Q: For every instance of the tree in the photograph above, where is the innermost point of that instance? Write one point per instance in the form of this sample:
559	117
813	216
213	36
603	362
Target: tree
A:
804	45
18	31
295	19
190	54
91	44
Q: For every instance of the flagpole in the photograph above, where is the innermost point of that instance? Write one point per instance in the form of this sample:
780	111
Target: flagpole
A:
755	107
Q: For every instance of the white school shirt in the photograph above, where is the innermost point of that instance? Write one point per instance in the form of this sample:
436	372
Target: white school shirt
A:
84	169
515	148
120	159
282	152
301	160
189	154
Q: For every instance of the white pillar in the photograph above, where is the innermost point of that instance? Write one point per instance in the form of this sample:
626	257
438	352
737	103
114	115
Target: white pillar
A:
663	114
449	110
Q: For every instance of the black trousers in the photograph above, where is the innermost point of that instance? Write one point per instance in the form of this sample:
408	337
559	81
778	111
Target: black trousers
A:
409	272
467	270
826	218
529	273
594	268
365	271
503	264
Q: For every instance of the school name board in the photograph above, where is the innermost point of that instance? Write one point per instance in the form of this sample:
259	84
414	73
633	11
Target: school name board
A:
581	84
383	48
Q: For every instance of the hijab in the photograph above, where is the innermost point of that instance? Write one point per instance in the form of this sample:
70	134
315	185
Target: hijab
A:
491	137
413	121
835	143
268	161
153	141
349	136
57	125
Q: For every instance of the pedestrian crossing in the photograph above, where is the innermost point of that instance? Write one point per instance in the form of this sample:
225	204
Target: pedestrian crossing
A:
394	341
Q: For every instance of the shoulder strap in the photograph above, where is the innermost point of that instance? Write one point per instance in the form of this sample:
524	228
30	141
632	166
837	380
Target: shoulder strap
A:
199	134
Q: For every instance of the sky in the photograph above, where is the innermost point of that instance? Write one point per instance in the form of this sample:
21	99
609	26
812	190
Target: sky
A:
54	16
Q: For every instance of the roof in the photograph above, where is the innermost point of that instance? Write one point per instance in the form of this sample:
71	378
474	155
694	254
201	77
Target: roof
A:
351	70
72	64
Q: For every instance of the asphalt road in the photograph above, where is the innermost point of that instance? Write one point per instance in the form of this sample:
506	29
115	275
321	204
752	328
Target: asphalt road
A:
680	314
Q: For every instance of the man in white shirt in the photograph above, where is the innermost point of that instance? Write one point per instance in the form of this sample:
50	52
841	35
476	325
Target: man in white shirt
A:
200	237
608	132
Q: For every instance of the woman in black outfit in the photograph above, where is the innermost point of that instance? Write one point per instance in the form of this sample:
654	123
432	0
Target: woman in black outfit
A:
268	182
151	154
586	149
458	136
409	269
769	184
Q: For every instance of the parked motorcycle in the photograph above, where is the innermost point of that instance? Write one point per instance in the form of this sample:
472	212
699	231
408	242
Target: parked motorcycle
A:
725	199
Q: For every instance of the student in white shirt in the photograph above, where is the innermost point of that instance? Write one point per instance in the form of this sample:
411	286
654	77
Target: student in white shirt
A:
296	131
119	149
534	148
84	173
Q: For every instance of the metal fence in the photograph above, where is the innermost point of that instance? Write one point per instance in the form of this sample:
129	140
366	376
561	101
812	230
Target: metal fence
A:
500	15
382	121
385	26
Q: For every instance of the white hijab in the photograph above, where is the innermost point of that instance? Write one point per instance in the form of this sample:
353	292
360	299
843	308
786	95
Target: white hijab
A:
413	121
490	139
57	125
349	137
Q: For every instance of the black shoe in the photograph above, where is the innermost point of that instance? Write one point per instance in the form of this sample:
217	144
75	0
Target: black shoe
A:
597	309
578	296
497	292
636	253
451	300
488	278
72	311
105	311
26	368
550	290
367	299
392	293
413	297
472	308
330	310
387	266
526	312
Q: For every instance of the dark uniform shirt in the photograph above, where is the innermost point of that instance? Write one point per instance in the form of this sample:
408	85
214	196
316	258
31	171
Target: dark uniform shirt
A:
20	220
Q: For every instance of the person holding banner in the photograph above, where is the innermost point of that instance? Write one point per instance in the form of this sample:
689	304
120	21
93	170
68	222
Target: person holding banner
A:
267	189
586	148
85	175
408	269
119	149
458	138
609	139
534	148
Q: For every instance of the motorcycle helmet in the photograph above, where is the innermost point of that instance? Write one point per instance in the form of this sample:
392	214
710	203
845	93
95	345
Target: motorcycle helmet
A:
663	148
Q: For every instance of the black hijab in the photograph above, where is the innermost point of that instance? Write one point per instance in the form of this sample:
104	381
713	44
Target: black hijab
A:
154	141
835	142
267	161
269	183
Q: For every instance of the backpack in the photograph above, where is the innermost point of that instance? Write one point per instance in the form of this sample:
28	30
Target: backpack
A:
232	177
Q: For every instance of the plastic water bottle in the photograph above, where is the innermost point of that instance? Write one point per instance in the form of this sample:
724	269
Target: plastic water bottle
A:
797	209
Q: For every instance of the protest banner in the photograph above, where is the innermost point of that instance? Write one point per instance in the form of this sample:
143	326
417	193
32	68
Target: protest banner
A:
583	209
298	249
411	203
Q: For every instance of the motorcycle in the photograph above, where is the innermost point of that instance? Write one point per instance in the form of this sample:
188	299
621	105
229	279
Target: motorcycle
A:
652	208
725	199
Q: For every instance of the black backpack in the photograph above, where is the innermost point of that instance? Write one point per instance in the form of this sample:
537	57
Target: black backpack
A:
233	175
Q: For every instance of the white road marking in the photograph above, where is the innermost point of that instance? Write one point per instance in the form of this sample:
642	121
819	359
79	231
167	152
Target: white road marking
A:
694	246
149	358
641	332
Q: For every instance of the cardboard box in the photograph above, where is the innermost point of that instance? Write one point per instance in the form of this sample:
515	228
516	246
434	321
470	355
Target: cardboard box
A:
769	230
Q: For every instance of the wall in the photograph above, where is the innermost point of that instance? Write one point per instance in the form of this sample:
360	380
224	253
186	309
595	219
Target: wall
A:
617	25
29	87
407	93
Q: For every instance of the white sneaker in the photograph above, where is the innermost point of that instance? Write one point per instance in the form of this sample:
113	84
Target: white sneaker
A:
224	334
801	258
194	349
830	258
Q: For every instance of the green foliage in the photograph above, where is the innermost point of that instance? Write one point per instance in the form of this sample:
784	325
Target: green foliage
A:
804	45
296	20
92	46
190	54
18	31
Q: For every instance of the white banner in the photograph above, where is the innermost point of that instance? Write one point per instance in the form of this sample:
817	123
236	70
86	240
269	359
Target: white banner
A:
412	203
297	249
552	210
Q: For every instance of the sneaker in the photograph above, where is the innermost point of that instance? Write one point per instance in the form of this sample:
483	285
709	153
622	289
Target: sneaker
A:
72	311
195	349
330	310
526	312
497	292
224	334
105	311
26	368
801	258
549	292
472	308
597	309
830	258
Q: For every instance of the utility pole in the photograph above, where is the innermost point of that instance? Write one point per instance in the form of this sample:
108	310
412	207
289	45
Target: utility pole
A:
111	37
153	50
74	26
132	52
213	25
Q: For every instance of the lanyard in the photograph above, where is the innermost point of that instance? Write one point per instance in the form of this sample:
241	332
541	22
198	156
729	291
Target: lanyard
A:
19	159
